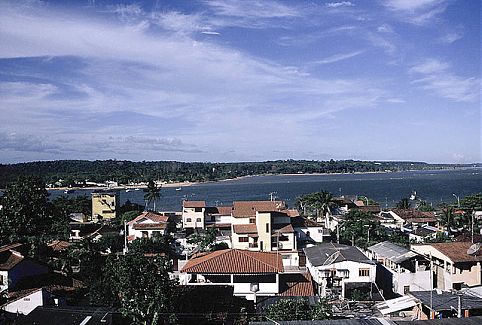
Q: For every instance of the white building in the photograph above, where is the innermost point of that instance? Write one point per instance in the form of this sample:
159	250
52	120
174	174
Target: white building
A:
403	270
14	266
338	269
147	225
193	214
250	273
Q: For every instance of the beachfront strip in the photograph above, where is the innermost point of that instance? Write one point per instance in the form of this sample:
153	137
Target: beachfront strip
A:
266	251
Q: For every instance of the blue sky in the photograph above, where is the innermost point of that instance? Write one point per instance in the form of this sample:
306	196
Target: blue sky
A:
240	80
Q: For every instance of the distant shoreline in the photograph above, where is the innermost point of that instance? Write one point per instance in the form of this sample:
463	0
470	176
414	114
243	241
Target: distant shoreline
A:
187	183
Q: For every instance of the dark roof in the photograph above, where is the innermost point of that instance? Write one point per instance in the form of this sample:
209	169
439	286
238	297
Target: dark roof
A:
9	259
473	320
72	315
444	300
319	254
422	231
369	321
302	222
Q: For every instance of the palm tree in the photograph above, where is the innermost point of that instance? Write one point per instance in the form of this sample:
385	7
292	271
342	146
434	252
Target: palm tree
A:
403	204
320	202
153	193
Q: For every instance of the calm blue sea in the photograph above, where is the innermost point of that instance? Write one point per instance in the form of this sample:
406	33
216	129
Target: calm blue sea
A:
386	188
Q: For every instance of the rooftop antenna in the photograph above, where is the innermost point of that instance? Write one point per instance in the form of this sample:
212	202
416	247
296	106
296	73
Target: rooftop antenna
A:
272	196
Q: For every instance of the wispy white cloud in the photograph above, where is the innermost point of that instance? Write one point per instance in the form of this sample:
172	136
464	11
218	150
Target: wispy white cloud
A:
339	57
451	37
190	83
419	12
339	4
252	9
438	77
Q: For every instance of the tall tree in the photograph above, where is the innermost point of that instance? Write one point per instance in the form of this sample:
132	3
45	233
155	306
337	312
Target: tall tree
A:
144	288
317	203
152	193
403	203
28	215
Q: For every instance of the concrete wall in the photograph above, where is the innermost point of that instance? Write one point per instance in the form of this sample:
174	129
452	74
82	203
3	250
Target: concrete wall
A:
24	269
316	233
264	240
193	219
104	205
26	304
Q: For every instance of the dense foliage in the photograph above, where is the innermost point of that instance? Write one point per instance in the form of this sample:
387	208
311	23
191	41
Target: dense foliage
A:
27	215
72	171
298	309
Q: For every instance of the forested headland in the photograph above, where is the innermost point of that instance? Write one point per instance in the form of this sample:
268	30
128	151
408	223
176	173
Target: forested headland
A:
123	171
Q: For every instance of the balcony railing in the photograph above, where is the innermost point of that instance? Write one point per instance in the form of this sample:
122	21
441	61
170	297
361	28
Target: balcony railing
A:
253	245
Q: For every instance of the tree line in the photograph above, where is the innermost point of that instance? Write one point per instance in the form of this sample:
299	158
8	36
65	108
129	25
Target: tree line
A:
123	171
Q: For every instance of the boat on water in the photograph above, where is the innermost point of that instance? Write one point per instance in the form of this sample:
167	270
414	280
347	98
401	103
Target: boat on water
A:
69	191
136	189
128	190
413	197
179	189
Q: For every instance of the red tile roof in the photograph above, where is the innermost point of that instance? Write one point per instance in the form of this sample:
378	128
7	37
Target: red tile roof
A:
235	261
284	230
154	217
296	285
9	259
194	204
151	226
9	247
249	228
59	245
249	208
292	213
457	251
224	210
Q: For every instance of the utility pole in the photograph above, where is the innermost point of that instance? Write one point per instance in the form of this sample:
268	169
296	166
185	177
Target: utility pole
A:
459	307
472	228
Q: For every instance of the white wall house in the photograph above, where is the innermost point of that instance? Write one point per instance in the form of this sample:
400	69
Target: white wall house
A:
147	225
249	273
337	268
26	302
265	226
14	266
193	214
453	264
406	270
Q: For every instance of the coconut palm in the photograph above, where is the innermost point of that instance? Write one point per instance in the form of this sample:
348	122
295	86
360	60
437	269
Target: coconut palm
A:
153	193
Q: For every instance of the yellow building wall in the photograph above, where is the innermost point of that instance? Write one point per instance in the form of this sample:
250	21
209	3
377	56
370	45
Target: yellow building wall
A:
104	205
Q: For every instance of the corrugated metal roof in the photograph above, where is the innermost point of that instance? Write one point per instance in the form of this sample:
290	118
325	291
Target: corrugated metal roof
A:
319	254
392	252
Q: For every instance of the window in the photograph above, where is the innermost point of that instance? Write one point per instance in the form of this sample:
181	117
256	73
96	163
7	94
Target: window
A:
145	234
267	227
252	220
198	209
1	279
188	220
364	272
320	231
243	239
406	289
198	219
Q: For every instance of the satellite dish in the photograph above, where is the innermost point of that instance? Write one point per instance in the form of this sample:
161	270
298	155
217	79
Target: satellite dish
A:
474	249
